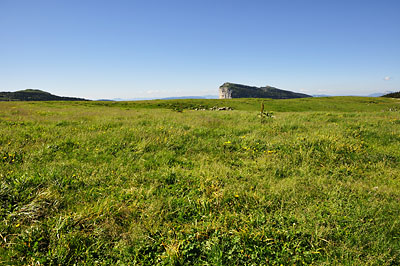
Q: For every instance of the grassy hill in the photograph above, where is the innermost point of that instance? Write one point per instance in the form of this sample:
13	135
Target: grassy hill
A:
244	91
34	95
392	95
140	183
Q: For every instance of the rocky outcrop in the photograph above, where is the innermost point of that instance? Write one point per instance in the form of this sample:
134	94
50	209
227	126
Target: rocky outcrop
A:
225	91
232	90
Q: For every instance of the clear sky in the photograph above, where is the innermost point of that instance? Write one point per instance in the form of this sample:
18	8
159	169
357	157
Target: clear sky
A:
127	48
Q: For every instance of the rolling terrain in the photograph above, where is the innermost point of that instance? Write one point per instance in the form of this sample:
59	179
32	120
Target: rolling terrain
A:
34	95
159	182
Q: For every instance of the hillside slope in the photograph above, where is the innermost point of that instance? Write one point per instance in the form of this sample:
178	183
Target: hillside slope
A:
34	95
232	90
392	95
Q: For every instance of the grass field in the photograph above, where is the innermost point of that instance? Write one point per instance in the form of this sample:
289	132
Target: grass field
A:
156	182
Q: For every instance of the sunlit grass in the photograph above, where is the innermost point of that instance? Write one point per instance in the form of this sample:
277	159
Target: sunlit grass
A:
138	183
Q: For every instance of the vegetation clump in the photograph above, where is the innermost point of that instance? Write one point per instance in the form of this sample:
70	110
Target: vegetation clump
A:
264	115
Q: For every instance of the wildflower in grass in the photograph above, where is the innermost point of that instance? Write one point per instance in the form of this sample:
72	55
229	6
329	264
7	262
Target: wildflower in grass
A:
236	196
227	142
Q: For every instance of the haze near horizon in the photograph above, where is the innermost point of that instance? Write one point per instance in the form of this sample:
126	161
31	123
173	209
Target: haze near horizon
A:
134	49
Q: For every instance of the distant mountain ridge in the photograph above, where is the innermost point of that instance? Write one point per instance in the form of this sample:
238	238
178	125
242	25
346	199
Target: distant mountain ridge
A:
375	94
379	94
191	97
321	95
166	98
35	95
231	90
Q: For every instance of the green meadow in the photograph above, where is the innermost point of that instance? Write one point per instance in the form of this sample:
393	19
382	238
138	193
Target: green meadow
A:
161	183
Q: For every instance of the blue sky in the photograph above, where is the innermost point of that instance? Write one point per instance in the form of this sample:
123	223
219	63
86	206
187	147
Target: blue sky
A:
127	49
